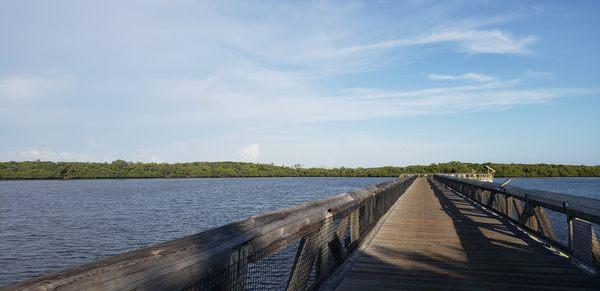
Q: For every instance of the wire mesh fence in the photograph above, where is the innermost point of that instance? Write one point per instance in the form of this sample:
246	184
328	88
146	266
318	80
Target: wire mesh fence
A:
306	259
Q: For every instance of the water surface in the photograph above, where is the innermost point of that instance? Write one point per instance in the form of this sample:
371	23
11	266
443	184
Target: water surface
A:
46	226
586	187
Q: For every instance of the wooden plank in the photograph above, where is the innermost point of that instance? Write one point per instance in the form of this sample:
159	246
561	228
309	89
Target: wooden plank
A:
437	239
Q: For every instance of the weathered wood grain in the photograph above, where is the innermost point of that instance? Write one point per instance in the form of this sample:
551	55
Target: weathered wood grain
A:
437	239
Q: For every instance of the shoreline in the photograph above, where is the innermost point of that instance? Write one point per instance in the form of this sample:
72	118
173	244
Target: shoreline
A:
270	177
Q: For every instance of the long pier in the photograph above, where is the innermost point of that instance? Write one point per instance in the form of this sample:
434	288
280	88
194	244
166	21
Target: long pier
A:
437	239
416	232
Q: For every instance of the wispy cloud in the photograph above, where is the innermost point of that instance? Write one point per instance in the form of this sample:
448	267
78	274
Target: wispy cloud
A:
466	76
205	70
477	41
270	100
483	41
24	89
540	74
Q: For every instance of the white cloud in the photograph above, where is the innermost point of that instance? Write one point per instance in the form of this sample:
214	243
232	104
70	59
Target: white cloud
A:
18	89
477	41
287	98
244	66
467	76
250	153
482	41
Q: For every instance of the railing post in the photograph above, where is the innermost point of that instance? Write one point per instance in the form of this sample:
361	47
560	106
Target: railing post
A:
525	215
505	203
324	258
509	207
238	268
336	246
570	231
491	200
355	225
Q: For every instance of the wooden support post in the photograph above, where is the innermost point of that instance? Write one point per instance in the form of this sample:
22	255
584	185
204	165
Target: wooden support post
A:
354	226
509	207
570	231
524	214
371	209
491	199
337	250
342	227
544	223
238	268
518	207
305	258
327	234
524	217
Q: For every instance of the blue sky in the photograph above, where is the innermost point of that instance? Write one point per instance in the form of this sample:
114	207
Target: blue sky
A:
321	83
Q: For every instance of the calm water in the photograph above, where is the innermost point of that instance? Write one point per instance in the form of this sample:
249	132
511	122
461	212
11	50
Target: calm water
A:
587	187
46	226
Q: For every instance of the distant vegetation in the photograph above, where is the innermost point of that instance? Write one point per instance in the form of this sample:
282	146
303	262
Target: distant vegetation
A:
123	169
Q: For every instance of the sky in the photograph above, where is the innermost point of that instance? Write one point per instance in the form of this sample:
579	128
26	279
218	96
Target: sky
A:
317	83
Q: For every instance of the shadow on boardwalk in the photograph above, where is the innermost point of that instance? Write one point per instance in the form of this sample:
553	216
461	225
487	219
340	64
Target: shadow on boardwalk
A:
441	240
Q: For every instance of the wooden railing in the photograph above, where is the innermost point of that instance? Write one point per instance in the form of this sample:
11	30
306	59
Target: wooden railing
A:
529	208
295	249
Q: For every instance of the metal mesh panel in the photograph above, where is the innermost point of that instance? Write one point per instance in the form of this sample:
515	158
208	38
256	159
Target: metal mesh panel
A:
559	224
271	271
303	261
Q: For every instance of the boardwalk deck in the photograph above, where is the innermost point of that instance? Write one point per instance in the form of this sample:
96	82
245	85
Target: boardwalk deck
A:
436	239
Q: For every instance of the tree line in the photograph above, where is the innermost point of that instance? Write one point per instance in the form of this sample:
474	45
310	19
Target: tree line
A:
124	169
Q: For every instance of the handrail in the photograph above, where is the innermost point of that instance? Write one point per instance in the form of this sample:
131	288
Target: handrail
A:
315	236
526	208
581	207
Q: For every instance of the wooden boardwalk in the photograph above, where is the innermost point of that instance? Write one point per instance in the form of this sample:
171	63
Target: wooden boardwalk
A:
436	239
